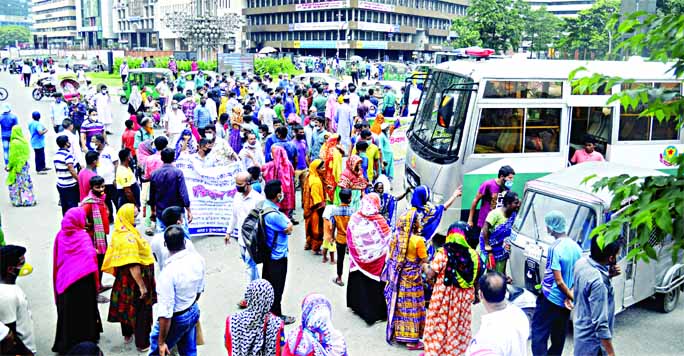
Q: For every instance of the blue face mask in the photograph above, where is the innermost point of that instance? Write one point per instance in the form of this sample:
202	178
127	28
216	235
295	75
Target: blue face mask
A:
508	184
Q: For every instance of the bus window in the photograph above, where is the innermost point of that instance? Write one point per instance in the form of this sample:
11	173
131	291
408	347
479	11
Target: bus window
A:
542	130
599	91
500	131
644	128
497	89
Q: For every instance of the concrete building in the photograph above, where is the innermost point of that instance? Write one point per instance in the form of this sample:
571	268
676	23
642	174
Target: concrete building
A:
95	23
54	23
15	13
134	23
562	8
370	28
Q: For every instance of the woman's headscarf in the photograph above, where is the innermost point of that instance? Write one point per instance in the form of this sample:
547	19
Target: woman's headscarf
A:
351	179
192	143
280	168
19	153
463	262
376	128
368	236
316	335
135	99
332	158
430	215
254	331
330	110
73	255
127	246
312	191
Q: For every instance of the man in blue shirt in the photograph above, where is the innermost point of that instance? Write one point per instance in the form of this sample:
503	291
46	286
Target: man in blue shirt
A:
277	227
202	116
38	131
551	315
7	121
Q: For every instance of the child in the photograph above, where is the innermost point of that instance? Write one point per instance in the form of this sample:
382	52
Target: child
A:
38	131
336	229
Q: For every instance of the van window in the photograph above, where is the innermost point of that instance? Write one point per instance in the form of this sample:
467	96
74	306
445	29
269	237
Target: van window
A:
580	219
500	89
518	130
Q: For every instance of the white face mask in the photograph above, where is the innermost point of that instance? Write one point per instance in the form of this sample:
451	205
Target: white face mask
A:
209	136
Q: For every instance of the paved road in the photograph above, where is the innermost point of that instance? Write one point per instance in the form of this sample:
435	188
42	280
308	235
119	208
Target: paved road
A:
639	331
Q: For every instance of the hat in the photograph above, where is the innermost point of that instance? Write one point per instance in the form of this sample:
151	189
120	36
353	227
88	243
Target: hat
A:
6	108
555	221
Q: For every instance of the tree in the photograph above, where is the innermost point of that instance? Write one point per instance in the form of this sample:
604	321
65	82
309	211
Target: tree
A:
10	34
466	35
668	7
499	23
542	29
657	207
588	32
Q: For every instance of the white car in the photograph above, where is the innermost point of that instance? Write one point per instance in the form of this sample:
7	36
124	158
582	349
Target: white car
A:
317	77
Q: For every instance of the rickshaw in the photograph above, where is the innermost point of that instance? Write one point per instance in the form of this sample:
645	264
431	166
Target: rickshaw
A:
147	77
583	208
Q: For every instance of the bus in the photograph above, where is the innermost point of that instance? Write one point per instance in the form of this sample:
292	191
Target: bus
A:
475	117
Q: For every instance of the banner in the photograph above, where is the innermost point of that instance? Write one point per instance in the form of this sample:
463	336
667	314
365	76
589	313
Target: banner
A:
399	143
323	5
211	191
369	5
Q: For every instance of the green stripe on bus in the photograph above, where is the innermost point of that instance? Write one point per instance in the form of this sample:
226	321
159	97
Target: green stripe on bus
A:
472	182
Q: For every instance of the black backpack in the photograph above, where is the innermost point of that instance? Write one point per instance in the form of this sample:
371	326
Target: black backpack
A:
254	233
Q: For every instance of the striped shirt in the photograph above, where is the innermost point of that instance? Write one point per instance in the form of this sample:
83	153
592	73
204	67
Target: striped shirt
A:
90	129
62	159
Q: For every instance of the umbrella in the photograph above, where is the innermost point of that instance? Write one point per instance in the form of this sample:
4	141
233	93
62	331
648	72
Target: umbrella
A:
267	50
356	59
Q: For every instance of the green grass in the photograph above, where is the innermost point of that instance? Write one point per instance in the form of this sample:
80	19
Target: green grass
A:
110	80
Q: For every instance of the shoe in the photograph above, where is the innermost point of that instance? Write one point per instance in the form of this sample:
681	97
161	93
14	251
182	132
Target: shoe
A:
46	169
242	304
288	319
42	173
149	231
418	346
101	299
143	350
294	222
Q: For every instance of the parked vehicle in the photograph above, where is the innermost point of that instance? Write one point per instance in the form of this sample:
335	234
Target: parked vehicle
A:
144	77
584	209
67	86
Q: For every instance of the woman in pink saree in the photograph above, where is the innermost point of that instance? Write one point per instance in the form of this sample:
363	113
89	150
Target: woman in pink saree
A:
281	168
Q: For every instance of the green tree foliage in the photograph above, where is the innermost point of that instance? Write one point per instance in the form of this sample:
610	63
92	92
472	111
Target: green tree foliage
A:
500	23
135	62
10	34
657	207
670	7
589	32
466	35
542	29
275	66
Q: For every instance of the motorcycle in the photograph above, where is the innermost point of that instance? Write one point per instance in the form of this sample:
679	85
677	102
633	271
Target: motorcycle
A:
46	89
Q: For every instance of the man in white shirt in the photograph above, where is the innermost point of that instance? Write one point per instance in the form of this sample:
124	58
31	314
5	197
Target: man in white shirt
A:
179	286
505	328
243	203
123	72
58	112
106	168
174	122
14	307
164	94
103	104
74	140
172	215
267	115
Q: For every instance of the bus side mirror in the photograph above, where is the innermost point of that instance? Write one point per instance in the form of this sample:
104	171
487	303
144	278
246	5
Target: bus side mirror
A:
445	112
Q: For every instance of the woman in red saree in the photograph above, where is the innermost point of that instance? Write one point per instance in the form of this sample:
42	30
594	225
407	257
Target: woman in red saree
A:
281	168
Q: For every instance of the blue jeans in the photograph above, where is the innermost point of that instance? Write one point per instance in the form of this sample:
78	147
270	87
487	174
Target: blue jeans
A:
252	270
549	321
5	149
181	333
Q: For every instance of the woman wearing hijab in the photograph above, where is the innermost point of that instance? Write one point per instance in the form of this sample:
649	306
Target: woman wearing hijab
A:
430	215
255	331
135	101
186	143
18	177
330	111
331	154
496	231
75	280
235	136
376	128
313	204
385	147
388	202
281	168
368	237
456	267
316	336
404	290
352	178
129	259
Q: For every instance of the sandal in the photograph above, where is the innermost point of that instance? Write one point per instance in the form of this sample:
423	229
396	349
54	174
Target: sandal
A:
418	346
339	283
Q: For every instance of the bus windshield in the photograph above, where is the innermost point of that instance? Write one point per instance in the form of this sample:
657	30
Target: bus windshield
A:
437	128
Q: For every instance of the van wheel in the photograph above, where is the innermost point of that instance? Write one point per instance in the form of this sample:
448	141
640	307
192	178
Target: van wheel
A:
668	301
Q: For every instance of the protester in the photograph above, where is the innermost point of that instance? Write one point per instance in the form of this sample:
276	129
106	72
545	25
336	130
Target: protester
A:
316	335
280	168
255	331
404	290
221	153
75	284
18	176
588	154
594	309
186	144
15	311
129	259
496	232
252	154
128	136
108	166
278	228
490	194
172	215
368	237
201	116
88	172
179	287
352	178
313	204
454	271
551	316
67	178
167	188
38	131
175	121
235	133
144	133
505	328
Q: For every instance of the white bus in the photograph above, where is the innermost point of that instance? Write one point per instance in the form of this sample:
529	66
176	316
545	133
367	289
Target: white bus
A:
475	117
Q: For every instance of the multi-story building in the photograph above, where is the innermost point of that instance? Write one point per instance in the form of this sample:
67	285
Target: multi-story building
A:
135	23
95	23
54	23
369	28
15	12
562	8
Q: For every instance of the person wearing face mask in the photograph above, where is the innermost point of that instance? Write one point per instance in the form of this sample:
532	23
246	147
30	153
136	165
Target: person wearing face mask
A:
252	155
491	193
496	231
204	149
15	312
58	112
202	116
97	223
302	162
595	300
174	122
221	154
67	178
103	103
89	129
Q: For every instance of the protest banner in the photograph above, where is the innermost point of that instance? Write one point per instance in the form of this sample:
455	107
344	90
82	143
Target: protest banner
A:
211	191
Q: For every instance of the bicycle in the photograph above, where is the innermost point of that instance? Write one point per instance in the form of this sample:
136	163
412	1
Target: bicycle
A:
3	94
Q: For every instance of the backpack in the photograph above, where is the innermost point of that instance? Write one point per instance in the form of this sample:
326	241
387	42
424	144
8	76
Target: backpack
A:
254	233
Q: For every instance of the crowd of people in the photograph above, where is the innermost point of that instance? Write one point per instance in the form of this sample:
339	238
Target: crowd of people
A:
306	139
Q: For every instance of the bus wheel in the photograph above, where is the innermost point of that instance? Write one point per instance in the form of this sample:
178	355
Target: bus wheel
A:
667	302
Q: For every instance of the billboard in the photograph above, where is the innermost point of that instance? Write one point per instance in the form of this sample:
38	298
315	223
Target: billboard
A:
236	62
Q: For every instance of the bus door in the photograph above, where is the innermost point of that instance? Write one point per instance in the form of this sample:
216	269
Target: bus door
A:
590	123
